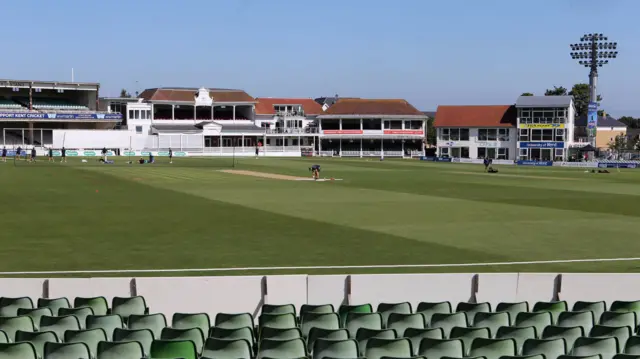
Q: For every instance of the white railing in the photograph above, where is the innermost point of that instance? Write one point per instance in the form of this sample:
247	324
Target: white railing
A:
292	131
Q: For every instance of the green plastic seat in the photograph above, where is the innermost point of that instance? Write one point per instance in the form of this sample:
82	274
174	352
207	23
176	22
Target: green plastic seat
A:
537	320
326	348
191	320
448	321
428	309
35	314
245	333
596	307
90	337
401	321
143	336
282	321
10	325
311	320
387	309
169	349
621	333
9	306
22	350
330	334
626	356
126	306
536	356
4	338
438	348
278	309
280	333
99	305
550	348
106	322
493	321
519	334
416	335
66	351
398	348
282	349
583	319
227	349
632	346
356	321
59	325
470	310
81	313
619	319
120	350
569	334
37	339
154	322
316	308
54	304
468	335
627	306
344	310
493	348
555	308
193	334
233	321
363	335
513	309
605	347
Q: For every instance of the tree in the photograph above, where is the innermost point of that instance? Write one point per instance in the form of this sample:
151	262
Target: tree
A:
556	91
431	132
630	121
580	93
618	144
124	94
527	94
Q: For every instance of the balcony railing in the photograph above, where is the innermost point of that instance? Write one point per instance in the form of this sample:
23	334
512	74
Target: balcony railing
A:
292	131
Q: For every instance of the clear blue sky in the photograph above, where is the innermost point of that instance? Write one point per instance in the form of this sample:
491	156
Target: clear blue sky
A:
428	52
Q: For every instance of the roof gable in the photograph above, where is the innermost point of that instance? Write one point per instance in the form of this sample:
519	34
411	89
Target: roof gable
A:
189	95
606	121
476	116
264	105
544	101
373	107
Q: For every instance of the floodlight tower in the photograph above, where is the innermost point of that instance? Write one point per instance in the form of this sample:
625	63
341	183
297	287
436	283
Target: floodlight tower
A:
593	51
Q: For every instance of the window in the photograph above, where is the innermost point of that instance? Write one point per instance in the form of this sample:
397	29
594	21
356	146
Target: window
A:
525	113
523	153
559	154
454	134
149	114
536	135
559	134
139	129
464	152
444	151
503	153
137	114
455	152
503	134
487	152
524	134
130	113
487	134
444	134
547	135
464	136
143	114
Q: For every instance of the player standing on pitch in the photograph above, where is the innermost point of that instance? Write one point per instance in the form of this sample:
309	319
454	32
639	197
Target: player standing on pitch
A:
17	155
4	154
50	154
33	154
170	155
63	152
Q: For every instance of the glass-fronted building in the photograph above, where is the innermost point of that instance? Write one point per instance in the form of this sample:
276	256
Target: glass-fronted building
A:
545	126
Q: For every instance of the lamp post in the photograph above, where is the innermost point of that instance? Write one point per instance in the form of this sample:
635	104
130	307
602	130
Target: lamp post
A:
593	51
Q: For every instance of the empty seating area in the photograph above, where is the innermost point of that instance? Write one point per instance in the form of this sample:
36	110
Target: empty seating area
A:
56	104
128	327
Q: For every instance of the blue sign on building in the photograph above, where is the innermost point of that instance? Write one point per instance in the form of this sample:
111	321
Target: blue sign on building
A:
541	144
534	163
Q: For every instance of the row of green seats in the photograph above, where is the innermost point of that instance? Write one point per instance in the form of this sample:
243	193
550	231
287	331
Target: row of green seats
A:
123	306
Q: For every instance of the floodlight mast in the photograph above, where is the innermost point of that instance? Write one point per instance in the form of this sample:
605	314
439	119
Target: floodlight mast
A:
593	51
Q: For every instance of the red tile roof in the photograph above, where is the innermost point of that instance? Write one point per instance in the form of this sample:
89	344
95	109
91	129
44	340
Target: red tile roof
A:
188	95
373	107
264	105
476	116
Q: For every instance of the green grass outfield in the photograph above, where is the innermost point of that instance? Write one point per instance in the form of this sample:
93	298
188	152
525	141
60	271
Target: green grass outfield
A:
84	216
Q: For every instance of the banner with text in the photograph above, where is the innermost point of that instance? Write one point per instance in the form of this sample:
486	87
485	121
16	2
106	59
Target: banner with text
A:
60	116
542	125
534	163
541	144
592	119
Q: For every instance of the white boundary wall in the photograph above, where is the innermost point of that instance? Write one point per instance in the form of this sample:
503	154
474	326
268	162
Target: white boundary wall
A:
216	294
